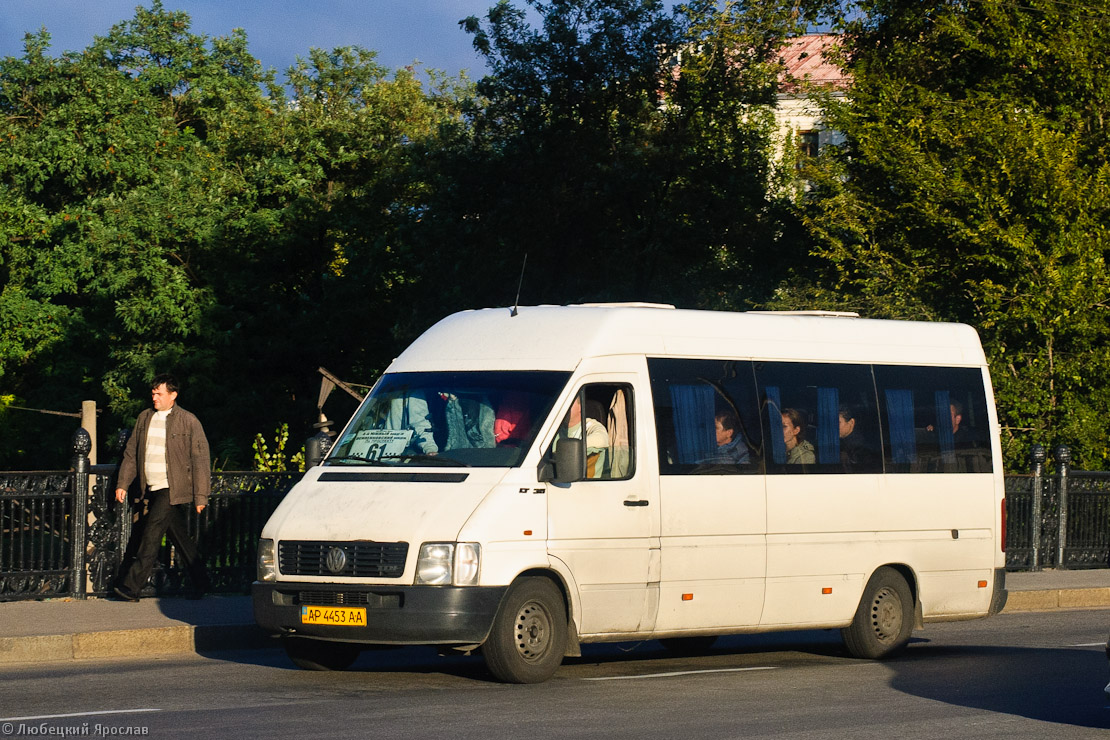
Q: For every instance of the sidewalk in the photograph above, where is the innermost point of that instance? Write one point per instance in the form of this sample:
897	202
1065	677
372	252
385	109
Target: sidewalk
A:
66	629
63	629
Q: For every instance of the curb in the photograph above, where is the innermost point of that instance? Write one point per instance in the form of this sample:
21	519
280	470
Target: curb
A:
1062	598
206	638
133	643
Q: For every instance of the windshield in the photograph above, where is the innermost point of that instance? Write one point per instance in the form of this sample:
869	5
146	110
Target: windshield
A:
479	419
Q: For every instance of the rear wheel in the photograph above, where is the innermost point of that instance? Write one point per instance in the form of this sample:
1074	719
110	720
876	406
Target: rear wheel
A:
529	633
320	655
884	619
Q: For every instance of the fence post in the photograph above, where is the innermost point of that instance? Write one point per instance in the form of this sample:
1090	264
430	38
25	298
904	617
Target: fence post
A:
82	443
1038	457
1063	457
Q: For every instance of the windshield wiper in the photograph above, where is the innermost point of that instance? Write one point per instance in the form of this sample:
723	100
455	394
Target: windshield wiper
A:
358	458
433	459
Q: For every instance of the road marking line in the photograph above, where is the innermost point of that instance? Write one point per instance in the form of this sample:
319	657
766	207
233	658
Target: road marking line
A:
1090	644
77	714
680	673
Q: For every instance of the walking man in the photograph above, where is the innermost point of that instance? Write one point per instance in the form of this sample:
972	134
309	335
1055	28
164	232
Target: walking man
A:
168	452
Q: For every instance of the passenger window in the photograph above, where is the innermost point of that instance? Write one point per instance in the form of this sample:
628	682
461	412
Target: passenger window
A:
706	417
819	417
935	419
601	414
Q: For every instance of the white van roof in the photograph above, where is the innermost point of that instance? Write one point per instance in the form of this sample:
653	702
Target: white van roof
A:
559	337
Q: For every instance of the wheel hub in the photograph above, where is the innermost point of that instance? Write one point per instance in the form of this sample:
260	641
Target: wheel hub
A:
533	630
886	615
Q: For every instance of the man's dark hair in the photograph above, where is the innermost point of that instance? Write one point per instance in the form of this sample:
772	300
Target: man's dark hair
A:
169	380
728	420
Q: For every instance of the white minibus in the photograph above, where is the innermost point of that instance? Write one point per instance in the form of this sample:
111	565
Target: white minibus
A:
523	481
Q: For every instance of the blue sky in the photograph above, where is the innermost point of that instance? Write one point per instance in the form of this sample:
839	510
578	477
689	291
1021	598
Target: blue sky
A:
401	31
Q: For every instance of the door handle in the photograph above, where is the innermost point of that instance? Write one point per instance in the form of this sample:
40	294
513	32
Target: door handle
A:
637	502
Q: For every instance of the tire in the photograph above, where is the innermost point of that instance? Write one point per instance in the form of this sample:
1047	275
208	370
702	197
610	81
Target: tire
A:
884	618
320	655
688	645
529	633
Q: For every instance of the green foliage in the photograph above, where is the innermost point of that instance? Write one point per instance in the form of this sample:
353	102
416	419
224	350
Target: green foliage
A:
279	460
622	163
165	205
974	187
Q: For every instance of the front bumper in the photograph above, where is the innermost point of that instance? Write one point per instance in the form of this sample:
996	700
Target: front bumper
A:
395	615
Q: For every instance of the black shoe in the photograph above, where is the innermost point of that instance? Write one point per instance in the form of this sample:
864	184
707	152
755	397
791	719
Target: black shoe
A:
124	595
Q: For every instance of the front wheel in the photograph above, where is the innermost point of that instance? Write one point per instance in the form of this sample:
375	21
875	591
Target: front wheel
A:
884	619
529	633
320	655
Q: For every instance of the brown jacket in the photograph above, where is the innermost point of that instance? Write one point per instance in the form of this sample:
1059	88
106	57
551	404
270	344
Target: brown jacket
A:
188	463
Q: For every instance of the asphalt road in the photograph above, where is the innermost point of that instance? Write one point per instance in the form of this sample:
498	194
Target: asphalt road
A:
1028	675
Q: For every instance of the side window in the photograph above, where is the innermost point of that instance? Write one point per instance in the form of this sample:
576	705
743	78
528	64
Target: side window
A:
819	417
706	417
934	419
601	414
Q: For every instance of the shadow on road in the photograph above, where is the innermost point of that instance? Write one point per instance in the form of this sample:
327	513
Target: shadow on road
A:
1055	685
1059	685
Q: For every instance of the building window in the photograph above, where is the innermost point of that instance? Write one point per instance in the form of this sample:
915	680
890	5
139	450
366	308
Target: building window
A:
808	144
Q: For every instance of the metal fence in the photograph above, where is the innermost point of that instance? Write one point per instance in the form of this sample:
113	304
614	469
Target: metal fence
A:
1053	521
36	534
41	520
1057	521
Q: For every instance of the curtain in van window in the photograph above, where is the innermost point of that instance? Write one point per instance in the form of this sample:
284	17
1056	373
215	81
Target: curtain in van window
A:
773	403
899	411
693	422
944	427
828	428
619	448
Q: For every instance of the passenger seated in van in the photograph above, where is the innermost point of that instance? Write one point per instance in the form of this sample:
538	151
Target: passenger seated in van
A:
731	449
856	455
513	421
963	436
410	411
470	421
799	451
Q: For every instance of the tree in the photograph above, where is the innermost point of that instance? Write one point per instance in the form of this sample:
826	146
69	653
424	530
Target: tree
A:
623	149
107	191
166	205
974	187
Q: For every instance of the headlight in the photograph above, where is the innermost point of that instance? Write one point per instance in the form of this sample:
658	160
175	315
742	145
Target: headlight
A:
447	563
468	556
267	569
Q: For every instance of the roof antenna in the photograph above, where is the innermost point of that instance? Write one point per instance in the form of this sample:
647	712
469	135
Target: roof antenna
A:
520	283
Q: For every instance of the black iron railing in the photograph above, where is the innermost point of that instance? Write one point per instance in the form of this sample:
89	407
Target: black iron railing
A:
1053	521
227	531
36	534
1057	521
41	520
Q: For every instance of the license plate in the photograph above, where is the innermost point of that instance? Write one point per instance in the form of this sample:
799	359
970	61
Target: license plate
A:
343	616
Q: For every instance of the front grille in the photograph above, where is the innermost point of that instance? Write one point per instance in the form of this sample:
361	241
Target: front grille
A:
360	559
349	598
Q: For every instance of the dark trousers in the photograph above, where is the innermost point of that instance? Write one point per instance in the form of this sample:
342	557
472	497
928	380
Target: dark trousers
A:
163	519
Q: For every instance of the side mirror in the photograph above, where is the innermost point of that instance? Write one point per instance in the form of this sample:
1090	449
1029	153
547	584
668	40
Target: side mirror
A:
566	464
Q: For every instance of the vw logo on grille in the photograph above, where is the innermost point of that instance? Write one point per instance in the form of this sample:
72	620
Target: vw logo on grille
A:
337	560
